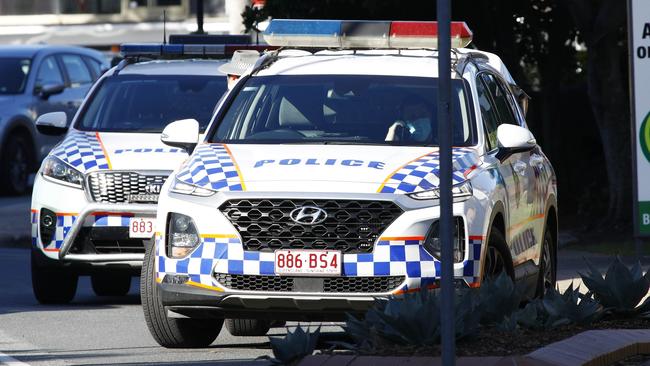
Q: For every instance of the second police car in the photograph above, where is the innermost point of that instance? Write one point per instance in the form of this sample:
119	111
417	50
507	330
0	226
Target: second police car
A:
315	190
94	198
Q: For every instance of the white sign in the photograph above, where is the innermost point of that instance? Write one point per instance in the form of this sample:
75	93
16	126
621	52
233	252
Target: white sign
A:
639	24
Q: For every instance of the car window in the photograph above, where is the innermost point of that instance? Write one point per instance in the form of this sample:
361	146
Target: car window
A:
48	73
488	113
343	109
77	71
147	103
500	98
95	66
13	74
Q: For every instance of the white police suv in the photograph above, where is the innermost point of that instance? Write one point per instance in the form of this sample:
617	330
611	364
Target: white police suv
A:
315	190
94	198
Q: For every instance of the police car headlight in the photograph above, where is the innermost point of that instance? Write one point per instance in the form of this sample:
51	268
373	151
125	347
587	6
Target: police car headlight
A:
432	241
184	188
460	192
182	235
57	171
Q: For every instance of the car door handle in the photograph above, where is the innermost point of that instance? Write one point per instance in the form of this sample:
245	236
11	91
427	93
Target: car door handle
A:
536	160
520	167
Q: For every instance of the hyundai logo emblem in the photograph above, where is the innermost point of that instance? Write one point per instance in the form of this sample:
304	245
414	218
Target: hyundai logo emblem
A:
153	188
308	215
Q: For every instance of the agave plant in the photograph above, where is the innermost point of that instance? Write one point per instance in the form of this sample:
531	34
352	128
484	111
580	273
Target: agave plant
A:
412	320
621	289
572	306
499	299
294	346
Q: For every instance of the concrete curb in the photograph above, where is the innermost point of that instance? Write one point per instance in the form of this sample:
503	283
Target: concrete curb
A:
590	348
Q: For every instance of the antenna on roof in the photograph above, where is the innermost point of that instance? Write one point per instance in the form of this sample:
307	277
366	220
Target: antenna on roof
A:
164	26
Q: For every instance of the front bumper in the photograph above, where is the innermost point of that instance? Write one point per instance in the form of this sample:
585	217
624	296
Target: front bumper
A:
76	218
194	302
398	251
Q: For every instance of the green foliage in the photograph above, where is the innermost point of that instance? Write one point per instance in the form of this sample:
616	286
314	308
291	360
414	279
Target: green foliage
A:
499	298
621	289
554	310
413	320
294	346
572	306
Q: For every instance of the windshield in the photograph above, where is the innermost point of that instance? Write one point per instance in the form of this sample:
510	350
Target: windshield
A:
13	75
345	109
128	103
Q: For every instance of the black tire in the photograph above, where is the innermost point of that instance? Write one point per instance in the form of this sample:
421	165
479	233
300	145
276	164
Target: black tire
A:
16	164
497	257
547	266
248	327
111	284
171	332
52	285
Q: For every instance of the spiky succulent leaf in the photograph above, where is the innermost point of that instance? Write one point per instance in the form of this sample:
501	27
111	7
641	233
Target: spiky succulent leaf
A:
295	345
499	298
570	305
621	289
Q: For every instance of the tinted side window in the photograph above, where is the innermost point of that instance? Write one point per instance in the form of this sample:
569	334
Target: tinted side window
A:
500	98
488	113
77	70
48	73
95	66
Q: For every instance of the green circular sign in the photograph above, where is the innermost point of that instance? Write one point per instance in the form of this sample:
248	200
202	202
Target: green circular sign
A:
644	137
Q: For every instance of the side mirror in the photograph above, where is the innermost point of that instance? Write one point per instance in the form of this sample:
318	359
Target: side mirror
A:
47	90
52	124
513	139
183	133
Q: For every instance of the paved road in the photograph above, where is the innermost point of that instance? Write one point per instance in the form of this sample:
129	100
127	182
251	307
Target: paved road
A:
94	331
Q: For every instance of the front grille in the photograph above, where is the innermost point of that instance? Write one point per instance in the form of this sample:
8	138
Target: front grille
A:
351	226
106	240
119	187
381	284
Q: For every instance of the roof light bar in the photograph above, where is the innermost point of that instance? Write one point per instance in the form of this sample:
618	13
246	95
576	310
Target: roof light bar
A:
159	50
361	34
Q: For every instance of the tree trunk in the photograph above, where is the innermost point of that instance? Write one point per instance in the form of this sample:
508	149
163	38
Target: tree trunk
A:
600	23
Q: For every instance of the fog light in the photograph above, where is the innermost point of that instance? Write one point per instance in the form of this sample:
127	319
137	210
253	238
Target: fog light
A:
175	279
182	236
432	242
47	225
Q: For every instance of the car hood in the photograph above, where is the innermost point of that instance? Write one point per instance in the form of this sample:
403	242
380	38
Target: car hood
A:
320	168
90	151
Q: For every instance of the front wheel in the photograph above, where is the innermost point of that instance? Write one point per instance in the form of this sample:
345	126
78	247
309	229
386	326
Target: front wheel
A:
248	327
171	332
52	285
497	257
547	265
111	284
15	165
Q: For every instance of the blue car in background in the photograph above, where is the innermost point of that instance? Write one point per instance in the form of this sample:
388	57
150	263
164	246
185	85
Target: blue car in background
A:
34	80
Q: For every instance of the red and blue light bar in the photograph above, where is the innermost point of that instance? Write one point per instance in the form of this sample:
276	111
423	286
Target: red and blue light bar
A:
155	50
361	34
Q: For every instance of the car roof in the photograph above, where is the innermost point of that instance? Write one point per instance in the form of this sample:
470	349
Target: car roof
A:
31	50
175	67
388	62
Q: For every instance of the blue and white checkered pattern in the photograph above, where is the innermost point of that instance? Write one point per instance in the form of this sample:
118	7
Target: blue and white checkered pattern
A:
392	257
64	223
34	221
422	174
63	226
211	166
83	151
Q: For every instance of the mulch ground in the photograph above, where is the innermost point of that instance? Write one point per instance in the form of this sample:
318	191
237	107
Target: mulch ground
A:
491	342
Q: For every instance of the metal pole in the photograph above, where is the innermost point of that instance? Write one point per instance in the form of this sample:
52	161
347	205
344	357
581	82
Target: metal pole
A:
199	17
446	209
